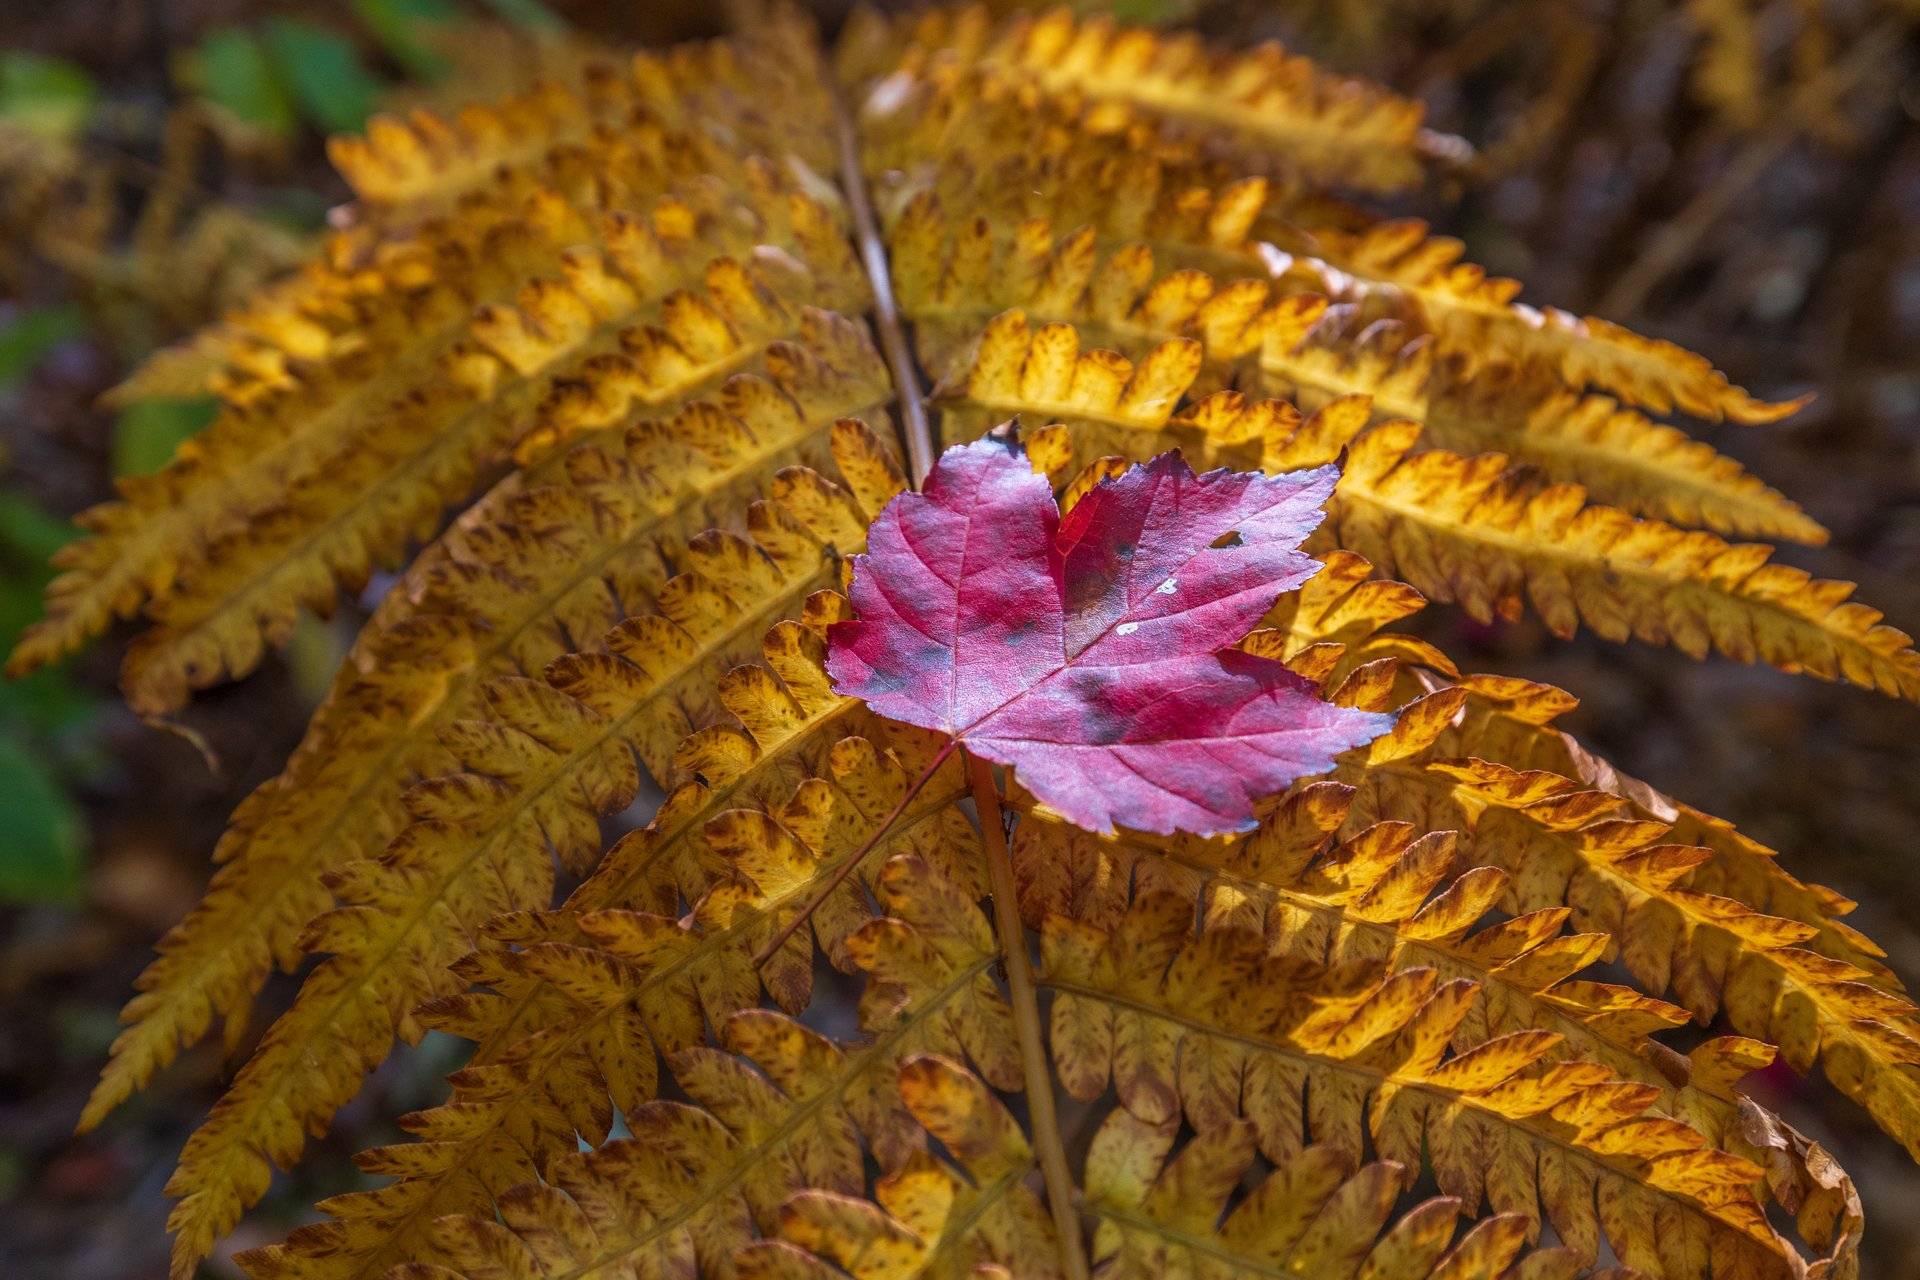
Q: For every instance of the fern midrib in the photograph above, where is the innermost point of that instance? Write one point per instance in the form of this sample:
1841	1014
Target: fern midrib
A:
872	248
1752	508
1313	1060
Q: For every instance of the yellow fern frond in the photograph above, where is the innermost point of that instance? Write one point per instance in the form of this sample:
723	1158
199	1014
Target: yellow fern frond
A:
1534	1141
754	1138
481	848
945	138
1477	315
369	269
572	1020
1620	874
1308	1214
1480	532
404	168
956	277
1511	721
414	457
607	129
1157	1213
1477	531
551	568
1718	954
1386	897
1616	454
404	921
1010	152
1265	109
1389	892
636	301
365	458
1293	344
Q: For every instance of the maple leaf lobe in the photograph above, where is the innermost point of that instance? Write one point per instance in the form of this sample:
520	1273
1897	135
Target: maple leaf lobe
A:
1091	652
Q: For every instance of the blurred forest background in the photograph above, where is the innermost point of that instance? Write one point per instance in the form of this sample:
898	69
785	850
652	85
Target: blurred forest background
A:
1740	176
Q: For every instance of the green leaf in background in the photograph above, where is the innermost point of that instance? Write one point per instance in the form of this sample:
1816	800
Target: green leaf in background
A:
30	334
397	24
332	87
147	432
1149	12
27	531
46	708
41	832
47	96
231	69
528	15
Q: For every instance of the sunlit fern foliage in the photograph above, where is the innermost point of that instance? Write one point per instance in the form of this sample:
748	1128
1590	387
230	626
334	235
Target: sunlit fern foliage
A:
667	342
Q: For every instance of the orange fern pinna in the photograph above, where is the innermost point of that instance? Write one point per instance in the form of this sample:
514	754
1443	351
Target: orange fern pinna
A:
697	323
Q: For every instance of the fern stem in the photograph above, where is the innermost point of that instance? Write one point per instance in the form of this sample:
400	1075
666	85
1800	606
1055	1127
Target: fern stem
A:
765	953
1045	1125
886	310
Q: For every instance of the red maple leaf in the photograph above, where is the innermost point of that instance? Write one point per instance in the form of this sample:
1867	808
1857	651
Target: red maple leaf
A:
1090	653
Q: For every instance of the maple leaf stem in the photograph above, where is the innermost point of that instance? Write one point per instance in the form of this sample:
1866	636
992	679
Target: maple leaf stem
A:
825	891
1045	1124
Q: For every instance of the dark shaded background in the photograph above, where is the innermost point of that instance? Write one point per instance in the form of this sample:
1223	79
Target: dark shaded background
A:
1754	194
